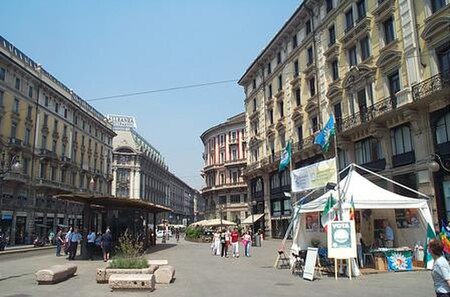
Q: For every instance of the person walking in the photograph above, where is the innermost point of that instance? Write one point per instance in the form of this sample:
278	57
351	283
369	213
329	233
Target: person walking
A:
235	243
246	241
441	269
59	242
67	241
106	244
177	234
227	241
222	244
216	239
91	245
74	239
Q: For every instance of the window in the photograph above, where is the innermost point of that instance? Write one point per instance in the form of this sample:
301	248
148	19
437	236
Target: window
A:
30	91
368	150
65	130
296	68
388	27
222	199
271	116
26	165
300	133
329	5
55	126
63	149
281	109
54	146
342	156
401	140
65	113
276	208
314	124
254	105
235	199
56	107
297	97
254	84
352	59
46	100
312	86
30	111
338	113
44	141
269	68
361	8
270	90
63	176
443	129
13	130
365	48
308	27
335	70
42	170
294	41
278	58
310	55
2	73
17	84
26	139
234	154
1	98
53	173
394	83
331	35
280	82
437	5
349	19
16	105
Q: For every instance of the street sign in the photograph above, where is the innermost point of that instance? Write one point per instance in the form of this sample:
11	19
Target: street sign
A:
310	264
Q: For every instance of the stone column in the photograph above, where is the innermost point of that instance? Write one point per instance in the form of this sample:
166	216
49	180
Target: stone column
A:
267	216
137	182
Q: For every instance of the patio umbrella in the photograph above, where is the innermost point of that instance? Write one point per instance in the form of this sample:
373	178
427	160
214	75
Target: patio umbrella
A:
218	222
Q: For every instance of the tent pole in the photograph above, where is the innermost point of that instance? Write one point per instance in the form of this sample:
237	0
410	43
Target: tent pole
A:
338	177
392	181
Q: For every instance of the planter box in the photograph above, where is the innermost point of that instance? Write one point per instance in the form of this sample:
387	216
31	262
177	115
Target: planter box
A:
103	274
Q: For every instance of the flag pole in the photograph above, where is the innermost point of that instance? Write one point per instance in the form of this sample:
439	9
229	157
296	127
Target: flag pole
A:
338	177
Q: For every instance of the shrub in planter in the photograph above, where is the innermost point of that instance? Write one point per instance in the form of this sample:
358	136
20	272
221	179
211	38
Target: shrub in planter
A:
193	232
129	263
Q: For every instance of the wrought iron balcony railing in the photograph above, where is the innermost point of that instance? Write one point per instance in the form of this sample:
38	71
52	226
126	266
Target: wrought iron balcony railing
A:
432	85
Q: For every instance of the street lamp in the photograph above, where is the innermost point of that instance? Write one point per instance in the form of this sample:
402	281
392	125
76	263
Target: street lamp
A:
92	184
436	163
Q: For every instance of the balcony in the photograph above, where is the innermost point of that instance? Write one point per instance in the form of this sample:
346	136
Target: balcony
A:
46	154
296	80
235	162
252	167
65	160
16	177
332	51
233	141
384	9
15	142
437	85
230	185
43	182
352	33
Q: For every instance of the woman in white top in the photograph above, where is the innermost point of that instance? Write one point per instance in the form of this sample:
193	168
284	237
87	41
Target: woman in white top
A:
216	240
441	269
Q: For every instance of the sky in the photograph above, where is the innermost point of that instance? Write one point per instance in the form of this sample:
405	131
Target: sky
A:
106	48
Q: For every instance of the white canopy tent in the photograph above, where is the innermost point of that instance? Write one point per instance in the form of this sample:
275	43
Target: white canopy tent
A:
366	195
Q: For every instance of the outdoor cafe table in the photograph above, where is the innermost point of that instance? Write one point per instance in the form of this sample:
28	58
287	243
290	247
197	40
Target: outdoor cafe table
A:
397	259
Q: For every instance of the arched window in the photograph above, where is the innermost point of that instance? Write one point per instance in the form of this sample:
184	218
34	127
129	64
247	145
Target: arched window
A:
443	129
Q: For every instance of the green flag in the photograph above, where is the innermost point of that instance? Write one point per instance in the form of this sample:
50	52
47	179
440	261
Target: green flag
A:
285	157
329	213
427	258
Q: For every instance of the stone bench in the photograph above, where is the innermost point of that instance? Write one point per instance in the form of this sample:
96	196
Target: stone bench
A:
55	274
158	262
164	274
132	281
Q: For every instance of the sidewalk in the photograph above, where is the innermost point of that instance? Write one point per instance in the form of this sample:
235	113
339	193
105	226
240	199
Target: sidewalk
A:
24	248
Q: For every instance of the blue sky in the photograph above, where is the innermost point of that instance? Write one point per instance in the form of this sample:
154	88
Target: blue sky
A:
102	48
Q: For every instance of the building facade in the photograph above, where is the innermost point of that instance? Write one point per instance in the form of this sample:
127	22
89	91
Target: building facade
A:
225	150
140	172
382	69
62	143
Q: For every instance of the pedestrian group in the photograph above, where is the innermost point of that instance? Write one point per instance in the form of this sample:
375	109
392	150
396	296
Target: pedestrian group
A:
224	240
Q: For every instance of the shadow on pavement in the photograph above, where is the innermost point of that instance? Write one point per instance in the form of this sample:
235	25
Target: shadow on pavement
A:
160	247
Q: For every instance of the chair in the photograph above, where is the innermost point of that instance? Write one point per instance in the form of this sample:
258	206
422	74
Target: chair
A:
283	261
368	256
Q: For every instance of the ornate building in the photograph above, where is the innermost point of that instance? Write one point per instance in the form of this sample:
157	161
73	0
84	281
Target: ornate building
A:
381	67
62	143
140	172
225	152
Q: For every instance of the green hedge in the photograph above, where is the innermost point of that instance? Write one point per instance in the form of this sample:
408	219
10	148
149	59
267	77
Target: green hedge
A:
193	232
129	263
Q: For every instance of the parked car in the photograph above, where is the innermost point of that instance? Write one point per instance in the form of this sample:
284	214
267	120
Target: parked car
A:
160	233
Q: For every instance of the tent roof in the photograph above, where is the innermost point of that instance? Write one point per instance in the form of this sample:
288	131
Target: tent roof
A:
366	195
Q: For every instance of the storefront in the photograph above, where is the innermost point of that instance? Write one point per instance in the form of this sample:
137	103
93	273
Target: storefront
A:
21	225
6	223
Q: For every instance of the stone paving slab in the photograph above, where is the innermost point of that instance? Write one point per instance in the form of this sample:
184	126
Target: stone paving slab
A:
201	274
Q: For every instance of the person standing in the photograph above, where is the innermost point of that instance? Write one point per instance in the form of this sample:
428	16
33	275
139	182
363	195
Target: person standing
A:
246	241
74	239
227	241
59	242
359	247
388	235
222	244
441	269
235	243
91	244
216	248
106	244
67	241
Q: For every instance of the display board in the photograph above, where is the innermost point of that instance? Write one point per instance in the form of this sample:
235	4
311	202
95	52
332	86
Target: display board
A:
342	240
314	176
310	264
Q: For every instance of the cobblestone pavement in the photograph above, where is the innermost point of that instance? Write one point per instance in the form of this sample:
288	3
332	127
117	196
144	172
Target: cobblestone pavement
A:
198	273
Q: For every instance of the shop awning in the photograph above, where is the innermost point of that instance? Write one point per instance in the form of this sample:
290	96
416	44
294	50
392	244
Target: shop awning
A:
249	220
113	202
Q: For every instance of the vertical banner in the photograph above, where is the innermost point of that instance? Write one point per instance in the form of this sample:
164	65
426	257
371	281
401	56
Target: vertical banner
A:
341	240
314	176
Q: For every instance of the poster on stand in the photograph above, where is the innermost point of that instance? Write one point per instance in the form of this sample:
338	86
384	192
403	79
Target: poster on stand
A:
341	240
314	176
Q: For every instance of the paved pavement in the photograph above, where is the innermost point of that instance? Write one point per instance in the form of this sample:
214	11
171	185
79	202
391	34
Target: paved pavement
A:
198	273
